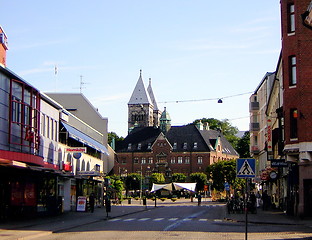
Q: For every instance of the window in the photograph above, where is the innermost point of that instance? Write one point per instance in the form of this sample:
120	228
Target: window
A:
175	146
136	160
291	18
173	160
143	161
293	123
139	146
180	160
199	160
292	71
150	160
195	145
129	146
187	160
185	146
149	146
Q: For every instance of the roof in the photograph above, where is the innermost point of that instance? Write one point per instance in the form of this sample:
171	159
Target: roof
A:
151	94
139	94
186	138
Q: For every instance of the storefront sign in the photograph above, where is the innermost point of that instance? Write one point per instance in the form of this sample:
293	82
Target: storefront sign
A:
278	163
76	150
269	135
81	204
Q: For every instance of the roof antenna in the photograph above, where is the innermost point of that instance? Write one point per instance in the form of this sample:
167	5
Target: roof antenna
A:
82	83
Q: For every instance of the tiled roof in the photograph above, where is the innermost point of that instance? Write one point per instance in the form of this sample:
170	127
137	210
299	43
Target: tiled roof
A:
186	138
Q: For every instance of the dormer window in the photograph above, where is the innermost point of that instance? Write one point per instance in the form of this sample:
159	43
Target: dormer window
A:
139	146
175	146
129	146
185	146
149	146
195	145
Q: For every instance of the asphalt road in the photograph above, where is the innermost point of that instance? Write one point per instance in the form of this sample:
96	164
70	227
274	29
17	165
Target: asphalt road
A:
181	222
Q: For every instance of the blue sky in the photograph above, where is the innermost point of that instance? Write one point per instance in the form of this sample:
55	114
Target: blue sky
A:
191	50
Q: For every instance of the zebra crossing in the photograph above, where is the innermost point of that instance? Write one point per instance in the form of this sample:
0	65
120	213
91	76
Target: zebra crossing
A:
162	219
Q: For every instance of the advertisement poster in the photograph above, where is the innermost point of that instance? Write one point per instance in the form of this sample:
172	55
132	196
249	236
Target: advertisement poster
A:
81	204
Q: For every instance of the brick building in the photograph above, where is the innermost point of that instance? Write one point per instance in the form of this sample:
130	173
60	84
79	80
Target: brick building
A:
153	145
297	95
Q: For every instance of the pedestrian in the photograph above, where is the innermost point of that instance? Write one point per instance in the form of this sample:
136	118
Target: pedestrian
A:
91	202
199	197
265	200
258	197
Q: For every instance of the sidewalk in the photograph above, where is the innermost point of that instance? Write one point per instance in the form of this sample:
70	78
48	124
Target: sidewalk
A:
42	226
34	228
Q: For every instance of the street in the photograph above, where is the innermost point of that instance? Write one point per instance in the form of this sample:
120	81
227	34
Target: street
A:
187	221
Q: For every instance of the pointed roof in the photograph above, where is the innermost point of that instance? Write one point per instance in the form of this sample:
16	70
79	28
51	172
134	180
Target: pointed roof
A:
151	94
140	95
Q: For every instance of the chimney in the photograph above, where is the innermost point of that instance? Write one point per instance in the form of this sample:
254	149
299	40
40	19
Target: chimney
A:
3	47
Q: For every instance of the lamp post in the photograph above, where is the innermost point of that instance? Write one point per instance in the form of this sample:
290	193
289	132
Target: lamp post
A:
141	185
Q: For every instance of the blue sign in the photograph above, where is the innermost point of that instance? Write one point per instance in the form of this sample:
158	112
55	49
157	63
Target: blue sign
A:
246	168
227	186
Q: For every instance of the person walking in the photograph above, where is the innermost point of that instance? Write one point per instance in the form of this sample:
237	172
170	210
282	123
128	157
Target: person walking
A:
91	202
199	197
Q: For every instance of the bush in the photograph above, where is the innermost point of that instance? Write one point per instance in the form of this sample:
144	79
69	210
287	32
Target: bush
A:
163	199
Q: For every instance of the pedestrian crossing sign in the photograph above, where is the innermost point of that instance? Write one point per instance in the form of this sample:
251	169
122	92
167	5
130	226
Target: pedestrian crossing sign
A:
245	168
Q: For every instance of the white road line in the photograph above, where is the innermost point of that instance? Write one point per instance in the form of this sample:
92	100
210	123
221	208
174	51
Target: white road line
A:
158	219
128	219
144	219
203	220
173	219
114	220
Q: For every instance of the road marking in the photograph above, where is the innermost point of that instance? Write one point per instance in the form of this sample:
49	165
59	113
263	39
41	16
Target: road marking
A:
203	220
114	220
173	219
144	219
177	223
129	219
158	219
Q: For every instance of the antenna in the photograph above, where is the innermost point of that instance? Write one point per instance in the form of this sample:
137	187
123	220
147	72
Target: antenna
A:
82	83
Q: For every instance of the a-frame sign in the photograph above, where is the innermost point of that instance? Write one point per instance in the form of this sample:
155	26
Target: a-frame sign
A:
246	168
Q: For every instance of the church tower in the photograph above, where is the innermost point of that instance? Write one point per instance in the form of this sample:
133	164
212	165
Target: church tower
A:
165	121
156	111
140	107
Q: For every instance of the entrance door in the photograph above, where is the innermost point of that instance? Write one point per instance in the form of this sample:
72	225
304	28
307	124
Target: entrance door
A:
308	197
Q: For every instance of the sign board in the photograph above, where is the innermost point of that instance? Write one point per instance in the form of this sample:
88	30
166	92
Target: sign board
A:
278	163
245	167
81	204
227	186
76	150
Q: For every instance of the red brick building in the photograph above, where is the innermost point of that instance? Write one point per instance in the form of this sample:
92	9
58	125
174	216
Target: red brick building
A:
297	97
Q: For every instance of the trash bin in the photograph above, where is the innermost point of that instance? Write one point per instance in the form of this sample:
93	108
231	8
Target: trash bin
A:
144	201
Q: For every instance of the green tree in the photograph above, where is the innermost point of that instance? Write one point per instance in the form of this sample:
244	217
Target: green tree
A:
224	171
157	178
178	177
243	146
111	136
200	179
133	181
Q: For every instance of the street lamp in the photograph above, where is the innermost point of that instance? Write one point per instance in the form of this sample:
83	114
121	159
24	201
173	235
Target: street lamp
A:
141	185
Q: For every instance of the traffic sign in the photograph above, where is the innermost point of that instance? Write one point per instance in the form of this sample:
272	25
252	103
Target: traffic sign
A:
227	186
245	167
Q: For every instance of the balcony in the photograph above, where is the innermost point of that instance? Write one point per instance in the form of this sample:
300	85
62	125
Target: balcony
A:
254	127
254	150
253	106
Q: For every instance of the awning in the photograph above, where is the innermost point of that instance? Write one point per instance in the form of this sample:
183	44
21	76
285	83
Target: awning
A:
85	139
177	186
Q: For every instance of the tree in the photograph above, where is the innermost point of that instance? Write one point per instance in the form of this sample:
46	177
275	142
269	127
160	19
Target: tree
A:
157	178
133	181
224	171
200	179
178	177
111	136
228	131
243	145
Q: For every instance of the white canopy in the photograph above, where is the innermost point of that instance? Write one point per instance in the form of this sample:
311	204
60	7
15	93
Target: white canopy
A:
177	186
